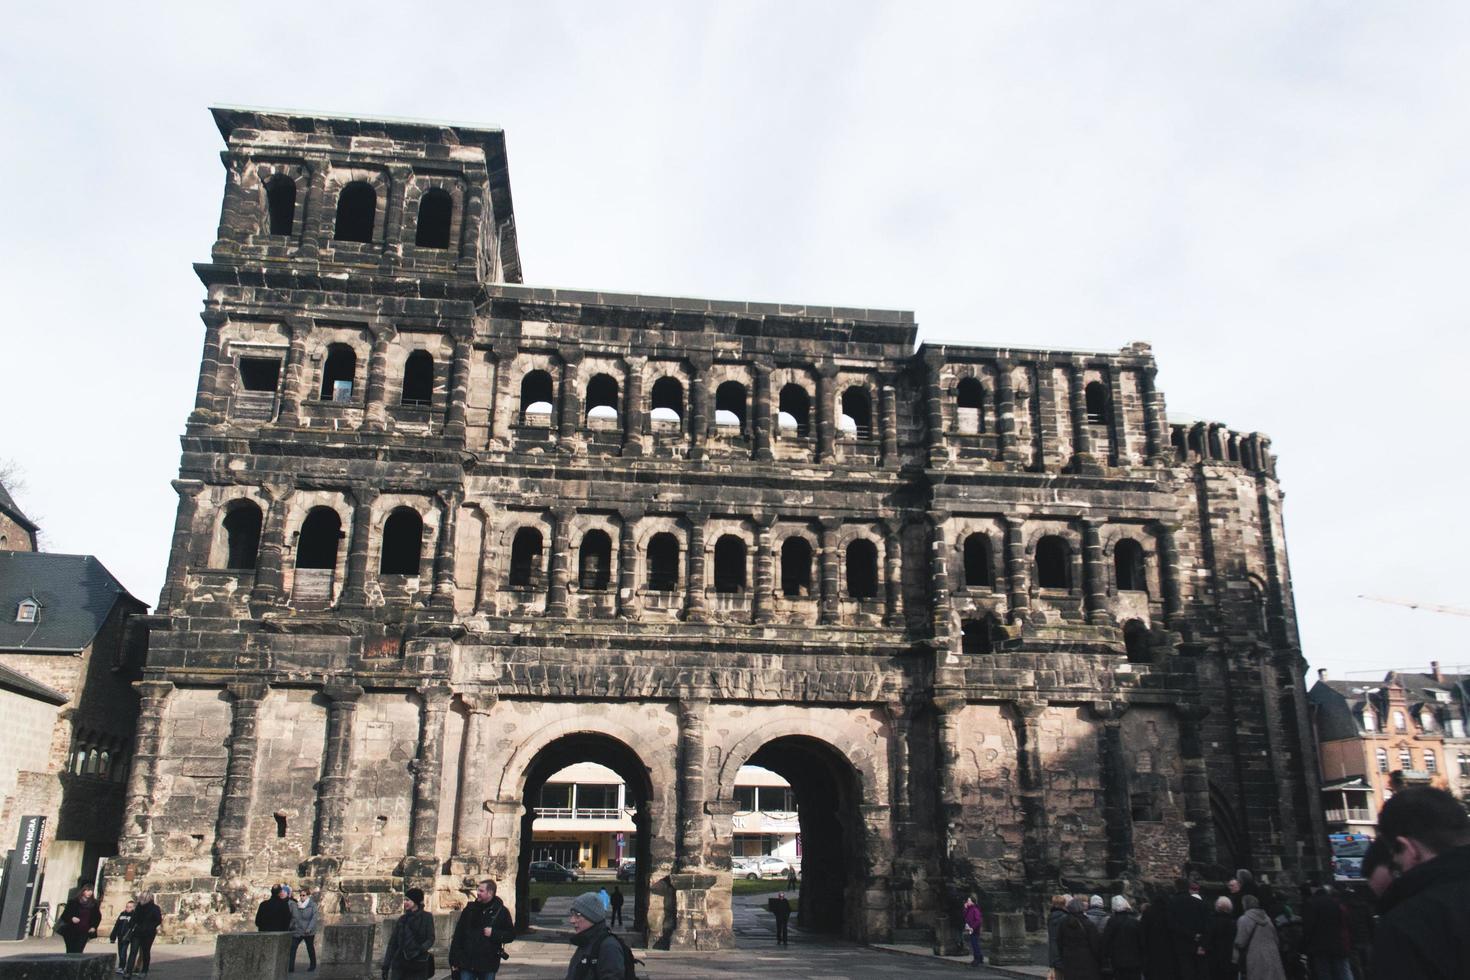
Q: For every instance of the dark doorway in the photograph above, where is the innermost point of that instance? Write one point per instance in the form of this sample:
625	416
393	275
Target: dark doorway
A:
317	546
796	567
418	378
525	559
435	210
403	539
357	207
663	562
730	565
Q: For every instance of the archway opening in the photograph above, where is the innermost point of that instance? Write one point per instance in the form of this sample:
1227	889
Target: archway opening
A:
576	806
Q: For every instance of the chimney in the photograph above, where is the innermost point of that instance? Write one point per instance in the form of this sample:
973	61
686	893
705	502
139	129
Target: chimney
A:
1321	673
1434	669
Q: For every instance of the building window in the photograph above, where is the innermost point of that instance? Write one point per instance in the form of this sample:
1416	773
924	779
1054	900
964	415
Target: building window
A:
1053	563
280	202
602	400
594	560
1464	766
525	559
1406	759
862	569
28	611
1097	403
1400	723
796	568
1135	642
668	405
1426	720
730	565
418	378
338	373
1370	720
970	402
242	535
434	212
730	406
1128	565
1431	764
744	799
1382	757
795	411
403	539
856	420
357	205
259	373
663	562
536	399
317	545
977	561
976	637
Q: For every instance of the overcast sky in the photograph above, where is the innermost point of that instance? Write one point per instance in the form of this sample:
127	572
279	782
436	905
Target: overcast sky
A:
1275	195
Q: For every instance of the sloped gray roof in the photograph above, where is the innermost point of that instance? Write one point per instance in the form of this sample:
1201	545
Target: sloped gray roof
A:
14	680
76	594
1335	702
7	504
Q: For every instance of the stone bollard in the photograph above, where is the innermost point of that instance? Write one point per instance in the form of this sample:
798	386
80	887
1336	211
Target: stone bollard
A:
251	955
347	950
1008	941
59	966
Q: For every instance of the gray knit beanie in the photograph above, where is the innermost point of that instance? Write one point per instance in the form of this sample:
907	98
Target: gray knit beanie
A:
589	906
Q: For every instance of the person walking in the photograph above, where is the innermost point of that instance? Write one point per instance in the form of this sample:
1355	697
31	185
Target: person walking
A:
1257	952
1220	941
407	956
304	923
122	934
615	906
781	907
147	920
605	898
1324	936
974	922
599	953
791	877
1078	944
1054	918
480	935
80	917
274	914
1122	942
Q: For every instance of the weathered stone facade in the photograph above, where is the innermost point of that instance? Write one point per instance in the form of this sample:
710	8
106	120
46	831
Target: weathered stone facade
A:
998	622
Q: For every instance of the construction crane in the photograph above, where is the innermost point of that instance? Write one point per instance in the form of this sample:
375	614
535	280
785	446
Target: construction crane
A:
1425	606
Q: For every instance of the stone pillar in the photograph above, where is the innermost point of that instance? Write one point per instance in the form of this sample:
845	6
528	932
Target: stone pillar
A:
762	427
207	400
137	835
947	707
1169	575
1040	870
892	574
694	609
1122	439
900	722
1083	459
394	227
826	412
570	418
942	616
459	385
331	811
1154	418
1018	593
230	845
428	771
502	413
934	410
561	531
699	414
828	610
1117	796
354	589
181	551
1095	599
1047	433
633	413
469	840
474	236
692	713
267	591
888	409
444	584
761	598
375	408
1196	784
1005	412
293	387
628	565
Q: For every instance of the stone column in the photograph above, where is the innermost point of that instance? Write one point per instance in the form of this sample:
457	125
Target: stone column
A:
1122	439
1047	433
828	610
459	385
469	840
628	564
354	589
694	608
137	836
230	846
375	408
473	237
294	385
502	399
699	414
1005	412
1154	419
761	598
570	417
1117	797
207	400
331	811
1196	784
1169	575
395	229
900	722
633	413
947	707
1094	586
942	616
444	583
892	574
556	595
692	712
1083	459
181	551
428	771
1018	593
826	412
1035	845
762	427
888	407
267	591
934	409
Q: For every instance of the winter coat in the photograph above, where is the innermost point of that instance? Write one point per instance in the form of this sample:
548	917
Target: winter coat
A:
1098	919
781	908
147	918
1079	943
273	915
122	929
1158	946
1053	951
83	909
1424	928
1122	941
471	949
1188	918
1256	949
409	945
974	918
1220	947
1323	927
596	942
304	918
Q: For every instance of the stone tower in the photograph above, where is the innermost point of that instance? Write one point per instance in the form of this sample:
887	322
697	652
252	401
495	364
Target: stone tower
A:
1000	624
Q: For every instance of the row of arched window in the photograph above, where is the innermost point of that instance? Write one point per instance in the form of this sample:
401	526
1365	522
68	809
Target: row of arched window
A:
100	756
357	210
975	415
1053	563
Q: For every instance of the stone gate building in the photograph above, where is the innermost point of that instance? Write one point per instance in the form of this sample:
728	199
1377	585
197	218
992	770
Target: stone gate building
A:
998	622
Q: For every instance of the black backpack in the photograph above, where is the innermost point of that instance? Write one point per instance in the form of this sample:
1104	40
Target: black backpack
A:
630	962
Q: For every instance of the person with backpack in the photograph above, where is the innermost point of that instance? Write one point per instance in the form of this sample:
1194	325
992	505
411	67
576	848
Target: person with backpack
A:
480	935
600	954
122	934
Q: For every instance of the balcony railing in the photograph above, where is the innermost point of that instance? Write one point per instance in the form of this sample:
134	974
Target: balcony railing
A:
1354	814
583	813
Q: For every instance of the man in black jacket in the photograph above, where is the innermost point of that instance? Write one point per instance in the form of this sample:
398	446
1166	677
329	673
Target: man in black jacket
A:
1324	935
274	914
1189	919
483	929
1424	931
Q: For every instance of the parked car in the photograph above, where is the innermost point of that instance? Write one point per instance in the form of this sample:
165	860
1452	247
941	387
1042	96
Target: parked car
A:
765	867
628	870
551	871
773	867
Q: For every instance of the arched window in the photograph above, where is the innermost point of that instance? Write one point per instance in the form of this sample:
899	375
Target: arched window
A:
602	399
1431	762
357	205
1406	758
320	533
730	564
1400	724
418	378
403	539
435	208
1128	566
1176	439
1053	563
667	403
856	420
1135	642
796	567
1370	720
976	636
1232	448
338	373
1381	756
594	561
795	411
525	559
242	531
970	402
862	569
978	569
663	562
1097	403
280	203
536	399
1197	441
730	405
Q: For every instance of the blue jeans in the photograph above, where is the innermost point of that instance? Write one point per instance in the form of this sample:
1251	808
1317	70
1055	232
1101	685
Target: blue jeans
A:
975	947
1331	968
